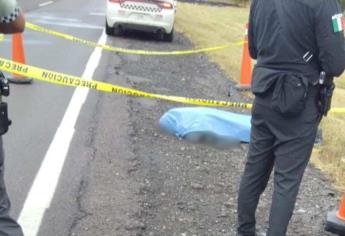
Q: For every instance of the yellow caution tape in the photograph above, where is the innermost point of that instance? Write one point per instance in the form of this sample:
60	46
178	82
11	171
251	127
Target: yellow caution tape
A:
68	80
73	81
129	51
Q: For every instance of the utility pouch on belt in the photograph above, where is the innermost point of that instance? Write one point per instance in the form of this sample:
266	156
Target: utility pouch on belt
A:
4	91
289	94
4	121
327	87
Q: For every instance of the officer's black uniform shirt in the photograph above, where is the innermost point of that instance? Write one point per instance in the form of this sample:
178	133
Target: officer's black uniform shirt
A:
301	40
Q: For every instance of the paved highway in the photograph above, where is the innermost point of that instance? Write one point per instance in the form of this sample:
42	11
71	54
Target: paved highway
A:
37	112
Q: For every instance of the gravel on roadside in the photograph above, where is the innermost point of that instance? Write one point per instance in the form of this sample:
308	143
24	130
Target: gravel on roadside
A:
167	187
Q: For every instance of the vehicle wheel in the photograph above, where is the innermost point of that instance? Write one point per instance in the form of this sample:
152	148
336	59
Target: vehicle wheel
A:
109	30
169	37
117	31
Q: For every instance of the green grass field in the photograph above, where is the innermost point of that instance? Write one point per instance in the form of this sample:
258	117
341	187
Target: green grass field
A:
210	26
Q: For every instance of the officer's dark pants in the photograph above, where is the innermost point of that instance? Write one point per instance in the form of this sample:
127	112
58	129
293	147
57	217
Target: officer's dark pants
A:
284	144
8	226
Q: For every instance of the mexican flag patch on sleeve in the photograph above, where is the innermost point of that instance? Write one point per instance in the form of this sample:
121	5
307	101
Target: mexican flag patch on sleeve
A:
338	23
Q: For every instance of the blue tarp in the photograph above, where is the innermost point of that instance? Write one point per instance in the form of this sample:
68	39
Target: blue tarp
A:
206	125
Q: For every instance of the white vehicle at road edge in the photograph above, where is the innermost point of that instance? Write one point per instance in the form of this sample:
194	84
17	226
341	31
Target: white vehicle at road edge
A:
156	16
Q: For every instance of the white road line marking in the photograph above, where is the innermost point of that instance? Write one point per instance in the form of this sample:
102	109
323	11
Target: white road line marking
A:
45	3
97	14
69	24
44	186
34	16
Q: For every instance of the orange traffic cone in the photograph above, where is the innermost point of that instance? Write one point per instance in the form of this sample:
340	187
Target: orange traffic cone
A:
335	222
341	212
246	68
18	56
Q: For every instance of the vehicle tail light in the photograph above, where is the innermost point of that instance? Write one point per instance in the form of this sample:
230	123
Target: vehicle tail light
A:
165	5
115	1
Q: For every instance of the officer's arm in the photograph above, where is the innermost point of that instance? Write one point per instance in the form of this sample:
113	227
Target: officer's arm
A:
329	29
11	18
251	41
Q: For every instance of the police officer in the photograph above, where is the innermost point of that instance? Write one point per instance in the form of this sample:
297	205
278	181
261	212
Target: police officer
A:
11	21
293	42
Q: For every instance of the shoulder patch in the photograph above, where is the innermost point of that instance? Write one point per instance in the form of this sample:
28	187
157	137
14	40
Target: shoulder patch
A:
338	23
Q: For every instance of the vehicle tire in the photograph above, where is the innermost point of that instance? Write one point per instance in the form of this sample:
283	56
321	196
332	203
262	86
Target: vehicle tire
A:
109	30
117	31
169	37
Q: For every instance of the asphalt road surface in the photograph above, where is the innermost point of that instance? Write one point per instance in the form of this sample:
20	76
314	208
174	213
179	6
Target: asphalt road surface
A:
37	110
82	162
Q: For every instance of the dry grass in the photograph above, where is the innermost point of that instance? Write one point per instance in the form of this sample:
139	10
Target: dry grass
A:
330	157
341	82
241	3
210	26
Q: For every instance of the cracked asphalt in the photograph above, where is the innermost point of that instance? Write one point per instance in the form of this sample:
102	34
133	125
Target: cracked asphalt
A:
137	181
